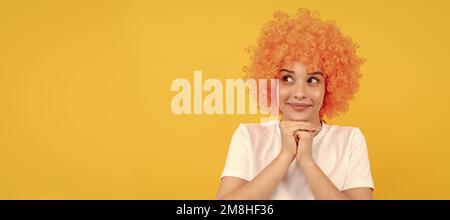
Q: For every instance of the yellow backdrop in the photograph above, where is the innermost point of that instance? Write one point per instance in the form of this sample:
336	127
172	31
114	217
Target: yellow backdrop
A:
85	94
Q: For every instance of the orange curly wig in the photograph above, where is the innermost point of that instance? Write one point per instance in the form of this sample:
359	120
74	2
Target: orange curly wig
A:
316	43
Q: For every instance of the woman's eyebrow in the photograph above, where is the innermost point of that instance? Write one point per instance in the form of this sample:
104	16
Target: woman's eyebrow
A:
289	71
293	72
317	72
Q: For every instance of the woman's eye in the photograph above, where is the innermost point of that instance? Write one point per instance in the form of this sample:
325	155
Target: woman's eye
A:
313	80
287	79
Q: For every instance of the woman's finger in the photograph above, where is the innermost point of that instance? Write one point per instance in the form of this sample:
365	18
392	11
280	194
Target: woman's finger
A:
300	127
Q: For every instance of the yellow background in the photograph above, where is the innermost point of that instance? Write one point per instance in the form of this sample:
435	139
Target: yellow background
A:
85	94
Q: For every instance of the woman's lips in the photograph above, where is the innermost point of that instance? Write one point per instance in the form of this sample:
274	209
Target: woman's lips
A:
299	106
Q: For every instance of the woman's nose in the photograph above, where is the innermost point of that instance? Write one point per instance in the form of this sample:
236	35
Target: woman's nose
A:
299	91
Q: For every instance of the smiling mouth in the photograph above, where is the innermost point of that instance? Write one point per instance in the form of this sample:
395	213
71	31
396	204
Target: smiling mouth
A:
299	106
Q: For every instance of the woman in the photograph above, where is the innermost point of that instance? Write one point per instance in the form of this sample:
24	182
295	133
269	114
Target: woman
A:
301	156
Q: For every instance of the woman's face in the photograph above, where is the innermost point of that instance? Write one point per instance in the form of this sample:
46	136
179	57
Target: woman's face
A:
301	93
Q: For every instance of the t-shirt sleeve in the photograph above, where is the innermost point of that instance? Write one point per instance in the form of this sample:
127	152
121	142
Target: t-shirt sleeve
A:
237	162
358	173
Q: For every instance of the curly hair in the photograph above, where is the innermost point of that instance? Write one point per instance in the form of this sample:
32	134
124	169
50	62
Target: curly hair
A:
316	43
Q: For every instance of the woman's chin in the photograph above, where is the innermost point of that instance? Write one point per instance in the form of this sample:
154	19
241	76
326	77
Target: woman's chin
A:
296	117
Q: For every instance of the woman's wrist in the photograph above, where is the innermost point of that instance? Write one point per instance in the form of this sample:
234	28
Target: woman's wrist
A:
306	162
285	156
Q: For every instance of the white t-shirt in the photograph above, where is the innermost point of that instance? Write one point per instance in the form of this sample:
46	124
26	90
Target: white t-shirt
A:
341	153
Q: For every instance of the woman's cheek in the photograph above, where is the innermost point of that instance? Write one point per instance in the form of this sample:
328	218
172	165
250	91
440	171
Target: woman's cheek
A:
319	96
283	94
283	97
